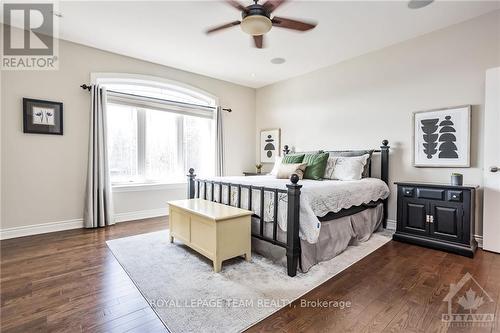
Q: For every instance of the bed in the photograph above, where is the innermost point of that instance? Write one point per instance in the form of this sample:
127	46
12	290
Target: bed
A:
307	222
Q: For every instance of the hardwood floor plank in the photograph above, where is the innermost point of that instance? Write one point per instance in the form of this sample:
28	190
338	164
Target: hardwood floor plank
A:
124	322
31	325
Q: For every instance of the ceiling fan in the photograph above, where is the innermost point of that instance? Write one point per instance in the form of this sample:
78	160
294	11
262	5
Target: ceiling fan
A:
256	20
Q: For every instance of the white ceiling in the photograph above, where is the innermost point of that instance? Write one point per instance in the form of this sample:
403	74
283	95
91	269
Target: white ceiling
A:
172	33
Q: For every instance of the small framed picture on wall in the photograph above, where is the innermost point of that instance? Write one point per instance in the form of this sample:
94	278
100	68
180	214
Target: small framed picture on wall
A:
441	137
269	145
42	117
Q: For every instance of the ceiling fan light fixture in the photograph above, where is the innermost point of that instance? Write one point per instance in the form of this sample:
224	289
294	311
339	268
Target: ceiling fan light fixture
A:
256	25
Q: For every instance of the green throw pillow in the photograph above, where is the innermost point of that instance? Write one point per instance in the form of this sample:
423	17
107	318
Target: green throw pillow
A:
293	158
316	165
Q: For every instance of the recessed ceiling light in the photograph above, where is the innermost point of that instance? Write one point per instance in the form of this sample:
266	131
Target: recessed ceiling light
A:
252	75
278	61
416	4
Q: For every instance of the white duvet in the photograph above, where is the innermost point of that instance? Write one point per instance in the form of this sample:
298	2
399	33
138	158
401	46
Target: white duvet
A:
317	198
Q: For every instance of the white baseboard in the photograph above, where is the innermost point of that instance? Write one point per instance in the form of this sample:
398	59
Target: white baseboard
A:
391	225
41	228
479	240
142	214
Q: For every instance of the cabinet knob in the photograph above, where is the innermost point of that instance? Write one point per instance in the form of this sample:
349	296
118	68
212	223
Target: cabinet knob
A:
494	169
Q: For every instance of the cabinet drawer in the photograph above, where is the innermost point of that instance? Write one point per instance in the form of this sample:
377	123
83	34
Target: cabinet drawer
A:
454	196
430	193
408	191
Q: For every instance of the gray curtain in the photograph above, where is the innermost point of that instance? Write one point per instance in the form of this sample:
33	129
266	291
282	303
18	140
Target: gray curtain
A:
219	171
98	198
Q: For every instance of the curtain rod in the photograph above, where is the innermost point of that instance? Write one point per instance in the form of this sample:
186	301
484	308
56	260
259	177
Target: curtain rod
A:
88	87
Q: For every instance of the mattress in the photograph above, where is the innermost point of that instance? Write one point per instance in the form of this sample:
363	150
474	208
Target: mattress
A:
317	199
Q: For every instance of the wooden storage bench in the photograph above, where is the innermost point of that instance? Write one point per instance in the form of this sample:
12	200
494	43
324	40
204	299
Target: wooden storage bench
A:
217	231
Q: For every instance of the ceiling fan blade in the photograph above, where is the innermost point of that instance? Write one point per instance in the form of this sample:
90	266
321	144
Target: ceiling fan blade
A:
224	26
271	5
259	41
286	23
236	5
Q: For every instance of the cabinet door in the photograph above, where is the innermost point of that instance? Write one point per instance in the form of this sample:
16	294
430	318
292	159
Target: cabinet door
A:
447	221
413	217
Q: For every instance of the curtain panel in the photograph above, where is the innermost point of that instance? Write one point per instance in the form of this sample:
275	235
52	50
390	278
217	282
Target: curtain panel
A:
98	195
219	158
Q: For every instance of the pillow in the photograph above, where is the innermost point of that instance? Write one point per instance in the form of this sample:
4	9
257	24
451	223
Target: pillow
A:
352	153
293	158
286	170
346	168
330	165
316	164
277	162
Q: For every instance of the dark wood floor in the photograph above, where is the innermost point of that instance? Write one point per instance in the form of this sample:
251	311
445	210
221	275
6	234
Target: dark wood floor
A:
69	282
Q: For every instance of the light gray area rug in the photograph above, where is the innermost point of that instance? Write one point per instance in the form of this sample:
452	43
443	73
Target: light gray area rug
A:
188	296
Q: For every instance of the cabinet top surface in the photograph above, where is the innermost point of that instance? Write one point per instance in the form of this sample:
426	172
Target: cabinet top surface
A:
212	210
437	185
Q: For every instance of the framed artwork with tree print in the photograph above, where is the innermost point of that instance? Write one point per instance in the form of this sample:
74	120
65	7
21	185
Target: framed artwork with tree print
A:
269	145
42	117
441	137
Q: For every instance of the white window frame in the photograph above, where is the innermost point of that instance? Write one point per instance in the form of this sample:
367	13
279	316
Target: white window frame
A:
126	78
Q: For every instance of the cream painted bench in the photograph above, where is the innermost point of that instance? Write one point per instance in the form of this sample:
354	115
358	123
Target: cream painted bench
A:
217	231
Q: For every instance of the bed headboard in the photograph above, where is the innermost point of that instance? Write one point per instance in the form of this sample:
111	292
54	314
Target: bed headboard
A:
383	151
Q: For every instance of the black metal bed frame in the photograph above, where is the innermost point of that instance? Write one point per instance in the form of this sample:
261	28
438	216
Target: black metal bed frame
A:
292	244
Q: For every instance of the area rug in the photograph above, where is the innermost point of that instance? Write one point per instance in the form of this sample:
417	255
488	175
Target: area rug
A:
188	296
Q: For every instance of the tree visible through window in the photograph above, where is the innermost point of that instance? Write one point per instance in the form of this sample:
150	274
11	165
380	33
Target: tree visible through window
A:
149	144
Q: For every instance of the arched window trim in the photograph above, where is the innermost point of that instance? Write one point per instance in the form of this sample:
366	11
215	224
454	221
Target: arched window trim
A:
156	82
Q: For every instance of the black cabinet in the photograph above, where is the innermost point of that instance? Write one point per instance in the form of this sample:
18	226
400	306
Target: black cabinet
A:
437	216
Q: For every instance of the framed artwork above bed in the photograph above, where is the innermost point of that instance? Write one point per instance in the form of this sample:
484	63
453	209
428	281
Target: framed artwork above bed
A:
270	144
441	137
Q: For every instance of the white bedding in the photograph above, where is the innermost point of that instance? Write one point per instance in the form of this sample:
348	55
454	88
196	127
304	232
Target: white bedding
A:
317	198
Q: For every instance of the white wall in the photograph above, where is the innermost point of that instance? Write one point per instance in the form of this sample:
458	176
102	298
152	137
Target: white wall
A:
43	176
357	103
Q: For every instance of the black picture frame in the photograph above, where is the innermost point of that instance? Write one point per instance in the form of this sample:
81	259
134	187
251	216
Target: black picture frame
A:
457	117
48	118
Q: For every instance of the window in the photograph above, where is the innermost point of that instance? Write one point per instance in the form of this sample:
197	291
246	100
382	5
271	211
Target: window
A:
155	134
